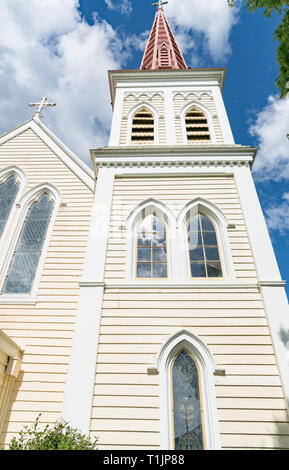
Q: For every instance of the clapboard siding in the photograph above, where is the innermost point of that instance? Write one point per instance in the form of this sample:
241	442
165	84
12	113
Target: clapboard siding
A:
136	322
45	329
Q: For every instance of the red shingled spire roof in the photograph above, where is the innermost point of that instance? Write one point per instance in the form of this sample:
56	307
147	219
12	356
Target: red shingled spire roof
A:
162	50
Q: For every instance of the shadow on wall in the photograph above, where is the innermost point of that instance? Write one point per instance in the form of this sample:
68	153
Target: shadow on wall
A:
10	426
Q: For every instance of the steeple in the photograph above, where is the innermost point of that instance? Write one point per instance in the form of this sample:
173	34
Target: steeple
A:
162	50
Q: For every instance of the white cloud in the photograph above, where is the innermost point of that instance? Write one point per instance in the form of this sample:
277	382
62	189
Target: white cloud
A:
277	216
271	129
47	49
212	18
124	6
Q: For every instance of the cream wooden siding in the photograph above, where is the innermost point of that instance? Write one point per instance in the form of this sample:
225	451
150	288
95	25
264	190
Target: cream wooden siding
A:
130	101
136	322
45	329
175	192
180	101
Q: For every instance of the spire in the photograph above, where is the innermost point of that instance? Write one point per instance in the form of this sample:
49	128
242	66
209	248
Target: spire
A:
162	50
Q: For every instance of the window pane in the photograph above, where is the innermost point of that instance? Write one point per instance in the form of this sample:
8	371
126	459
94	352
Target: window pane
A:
203	248
212	253
214	269
160	270
194	224
210	238
144	254
188	427
143	270
207	224
159	254
198	270
195	238
196	253
8	192
28	250
151	249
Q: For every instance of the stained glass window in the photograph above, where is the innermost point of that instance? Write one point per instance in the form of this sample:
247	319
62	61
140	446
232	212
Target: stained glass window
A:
8	192
187	415
203	248
28	250
151	249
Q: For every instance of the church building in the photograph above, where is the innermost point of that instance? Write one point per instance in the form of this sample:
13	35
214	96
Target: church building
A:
142	301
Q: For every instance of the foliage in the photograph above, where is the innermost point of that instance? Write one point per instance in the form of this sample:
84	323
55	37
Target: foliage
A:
281	34
60	436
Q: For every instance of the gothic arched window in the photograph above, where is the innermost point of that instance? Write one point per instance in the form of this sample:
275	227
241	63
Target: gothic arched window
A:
188	427
197	127
142	131
204	254
151	247
26	256
8	192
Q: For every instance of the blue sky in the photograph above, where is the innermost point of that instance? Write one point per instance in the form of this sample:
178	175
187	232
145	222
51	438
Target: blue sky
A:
62	49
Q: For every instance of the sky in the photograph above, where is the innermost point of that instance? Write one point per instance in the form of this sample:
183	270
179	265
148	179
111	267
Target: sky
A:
62	49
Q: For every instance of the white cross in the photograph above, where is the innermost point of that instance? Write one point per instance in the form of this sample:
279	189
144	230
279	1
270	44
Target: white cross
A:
40	106
159	4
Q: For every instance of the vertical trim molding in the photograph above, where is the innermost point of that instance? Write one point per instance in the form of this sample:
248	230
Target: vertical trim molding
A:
275	299
78	396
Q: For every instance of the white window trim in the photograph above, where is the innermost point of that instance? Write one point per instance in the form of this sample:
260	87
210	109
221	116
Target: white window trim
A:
21	180
149	206
208	115
221	223
23	206
130	119
193	344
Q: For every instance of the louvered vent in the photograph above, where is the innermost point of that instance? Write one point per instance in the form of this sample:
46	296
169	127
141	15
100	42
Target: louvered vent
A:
197	127
142	127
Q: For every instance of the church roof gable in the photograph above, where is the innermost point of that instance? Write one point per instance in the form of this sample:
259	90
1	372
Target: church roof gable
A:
77	166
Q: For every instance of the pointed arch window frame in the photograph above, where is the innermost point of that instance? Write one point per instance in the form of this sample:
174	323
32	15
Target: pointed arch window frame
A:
185	340
6	173
23	206
209	118
146	208
220	222
130	116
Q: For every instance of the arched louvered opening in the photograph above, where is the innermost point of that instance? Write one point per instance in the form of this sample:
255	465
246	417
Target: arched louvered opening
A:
197	127
143	131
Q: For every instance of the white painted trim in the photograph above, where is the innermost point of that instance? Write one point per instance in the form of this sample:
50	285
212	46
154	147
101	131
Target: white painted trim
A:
223	117
5	173
208	115
207	365
130	116
221	223
24	204
146	208
117	119
77	404
171	138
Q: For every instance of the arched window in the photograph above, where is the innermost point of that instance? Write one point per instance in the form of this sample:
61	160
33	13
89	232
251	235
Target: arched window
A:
203	247
24	263
197	127
151	248
142	131
8	192
188	422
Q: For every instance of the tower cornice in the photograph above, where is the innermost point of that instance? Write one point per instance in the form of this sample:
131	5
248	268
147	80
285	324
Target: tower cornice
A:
165	77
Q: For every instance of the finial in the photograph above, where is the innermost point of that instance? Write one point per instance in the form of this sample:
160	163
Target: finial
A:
159	4
40	106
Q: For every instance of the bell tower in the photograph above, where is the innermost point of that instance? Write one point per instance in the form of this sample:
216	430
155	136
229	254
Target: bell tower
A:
178	342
